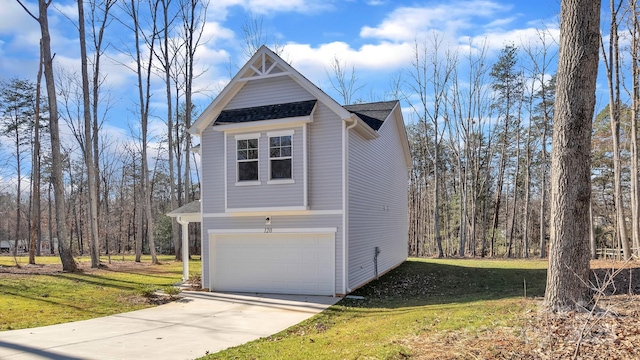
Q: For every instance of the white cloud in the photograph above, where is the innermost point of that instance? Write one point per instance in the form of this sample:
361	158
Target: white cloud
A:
405	23
496	40
214	32
14	17
314	61
221	7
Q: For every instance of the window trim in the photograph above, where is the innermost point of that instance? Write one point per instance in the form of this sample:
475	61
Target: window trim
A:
271	134
241	137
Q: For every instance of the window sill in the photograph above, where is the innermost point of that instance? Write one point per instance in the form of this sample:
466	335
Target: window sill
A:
281	181
248	183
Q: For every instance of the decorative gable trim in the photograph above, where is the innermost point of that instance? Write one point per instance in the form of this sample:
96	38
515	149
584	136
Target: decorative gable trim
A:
263	64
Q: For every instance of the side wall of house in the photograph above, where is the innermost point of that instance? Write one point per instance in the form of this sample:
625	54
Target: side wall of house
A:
377	209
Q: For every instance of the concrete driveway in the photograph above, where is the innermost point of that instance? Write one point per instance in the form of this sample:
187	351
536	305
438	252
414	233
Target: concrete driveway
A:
199	323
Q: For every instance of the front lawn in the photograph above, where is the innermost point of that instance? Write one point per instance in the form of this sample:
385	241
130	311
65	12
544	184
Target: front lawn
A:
39	295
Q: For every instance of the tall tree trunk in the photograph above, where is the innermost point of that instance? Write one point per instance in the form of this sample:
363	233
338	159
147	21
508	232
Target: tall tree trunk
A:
571	157
66	257
613	78
35	174
92	192
592	234
175	230
543	192
527	195
635	104
515	190
496	213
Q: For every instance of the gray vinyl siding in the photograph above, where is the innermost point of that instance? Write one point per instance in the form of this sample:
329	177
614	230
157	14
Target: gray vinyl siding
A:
258	222
325	160
377	203
212	150
265	195
270	91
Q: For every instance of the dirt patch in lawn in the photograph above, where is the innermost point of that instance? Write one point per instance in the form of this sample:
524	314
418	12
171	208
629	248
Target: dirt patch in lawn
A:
612	332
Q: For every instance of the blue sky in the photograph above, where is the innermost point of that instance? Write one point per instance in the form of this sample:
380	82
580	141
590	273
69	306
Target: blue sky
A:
373	36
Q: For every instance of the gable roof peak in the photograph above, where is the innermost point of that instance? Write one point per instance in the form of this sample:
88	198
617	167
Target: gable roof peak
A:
264	63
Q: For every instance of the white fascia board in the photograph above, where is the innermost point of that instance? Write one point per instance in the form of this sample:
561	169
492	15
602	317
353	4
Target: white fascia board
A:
230	90
402	131
215	108
262	125
274	213
328	230
189	218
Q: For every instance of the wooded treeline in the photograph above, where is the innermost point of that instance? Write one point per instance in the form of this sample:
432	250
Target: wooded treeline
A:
97	192
481	144
480	133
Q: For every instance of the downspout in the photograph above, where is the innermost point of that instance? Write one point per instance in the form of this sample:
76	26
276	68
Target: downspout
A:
345	203
185	248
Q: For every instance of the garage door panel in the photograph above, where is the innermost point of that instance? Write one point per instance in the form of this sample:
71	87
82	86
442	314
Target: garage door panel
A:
277	263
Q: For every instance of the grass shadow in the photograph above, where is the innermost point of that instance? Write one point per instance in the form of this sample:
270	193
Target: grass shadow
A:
419	283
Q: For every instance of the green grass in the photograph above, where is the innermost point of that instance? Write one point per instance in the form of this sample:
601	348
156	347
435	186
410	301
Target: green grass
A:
37	300
425	296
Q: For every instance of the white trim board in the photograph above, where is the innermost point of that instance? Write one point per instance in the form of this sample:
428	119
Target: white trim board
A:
273	212
273	231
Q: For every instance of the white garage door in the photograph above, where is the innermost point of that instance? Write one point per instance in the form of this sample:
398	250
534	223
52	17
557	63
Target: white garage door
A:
273	263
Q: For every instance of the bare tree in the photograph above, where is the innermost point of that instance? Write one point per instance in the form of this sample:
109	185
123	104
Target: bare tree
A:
167	60
570	161
193	20
17	111
66	257
634	49
255	35
143	69
345	82
87	146
430	78
612	66
34	231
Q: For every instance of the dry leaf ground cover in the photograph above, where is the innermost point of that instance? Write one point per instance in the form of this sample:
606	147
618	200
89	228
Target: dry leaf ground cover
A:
463	309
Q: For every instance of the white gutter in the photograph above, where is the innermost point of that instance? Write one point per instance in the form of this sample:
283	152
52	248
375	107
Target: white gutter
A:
345	212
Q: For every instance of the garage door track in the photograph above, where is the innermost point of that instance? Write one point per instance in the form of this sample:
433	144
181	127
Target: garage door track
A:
197	324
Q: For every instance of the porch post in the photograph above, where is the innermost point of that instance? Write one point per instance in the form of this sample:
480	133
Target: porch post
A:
185	248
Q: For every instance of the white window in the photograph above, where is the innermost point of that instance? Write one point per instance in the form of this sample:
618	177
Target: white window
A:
280	156
247	159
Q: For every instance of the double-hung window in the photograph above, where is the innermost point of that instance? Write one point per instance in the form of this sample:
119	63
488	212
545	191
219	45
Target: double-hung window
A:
247	159
280	156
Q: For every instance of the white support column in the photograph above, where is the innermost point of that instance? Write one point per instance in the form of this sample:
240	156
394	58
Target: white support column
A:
185	248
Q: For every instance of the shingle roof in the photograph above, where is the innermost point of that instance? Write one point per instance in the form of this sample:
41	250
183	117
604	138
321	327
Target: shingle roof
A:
190	208
268	112
373	114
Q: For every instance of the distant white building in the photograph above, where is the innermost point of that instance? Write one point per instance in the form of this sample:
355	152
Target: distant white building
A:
6	246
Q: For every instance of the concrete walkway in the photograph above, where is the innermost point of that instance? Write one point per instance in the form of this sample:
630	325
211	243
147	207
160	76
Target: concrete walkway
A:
199	323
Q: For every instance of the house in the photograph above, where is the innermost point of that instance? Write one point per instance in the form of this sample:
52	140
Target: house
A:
300	195
6	246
